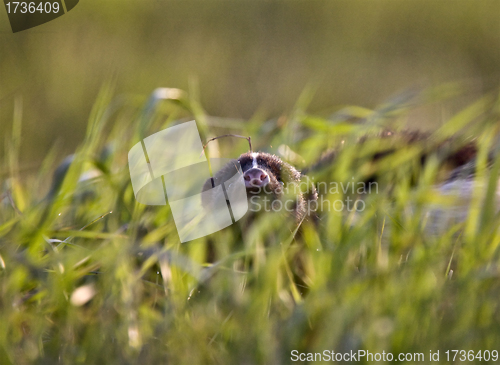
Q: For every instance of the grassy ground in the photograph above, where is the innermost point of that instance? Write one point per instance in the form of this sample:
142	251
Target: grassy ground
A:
89	276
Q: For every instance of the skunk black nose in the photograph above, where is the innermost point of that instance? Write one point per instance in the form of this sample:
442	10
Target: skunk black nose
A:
256	177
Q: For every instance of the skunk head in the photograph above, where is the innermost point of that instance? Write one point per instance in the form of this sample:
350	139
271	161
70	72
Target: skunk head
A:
267	176
265	172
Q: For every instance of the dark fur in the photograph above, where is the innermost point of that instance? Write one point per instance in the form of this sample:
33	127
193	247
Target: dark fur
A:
452	153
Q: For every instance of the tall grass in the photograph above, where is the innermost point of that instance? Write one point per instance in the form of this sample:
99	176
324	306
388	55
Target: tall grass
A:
90	276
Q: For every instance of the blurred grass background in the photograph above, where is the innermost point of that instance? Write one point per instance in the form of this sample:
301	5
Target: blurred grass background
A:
88	275
245	56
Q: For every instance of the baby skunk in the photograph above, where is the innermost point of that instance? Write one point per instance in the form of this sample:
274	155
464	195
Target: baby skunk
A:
268	180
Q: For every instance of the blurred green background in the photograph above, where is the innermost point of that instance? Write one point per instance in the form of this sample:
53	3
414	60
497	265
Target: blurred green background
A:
376	281
245	56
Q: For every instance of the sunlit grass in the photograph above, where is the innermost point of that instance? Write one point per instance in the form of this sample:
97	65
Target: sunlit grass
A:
90	276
